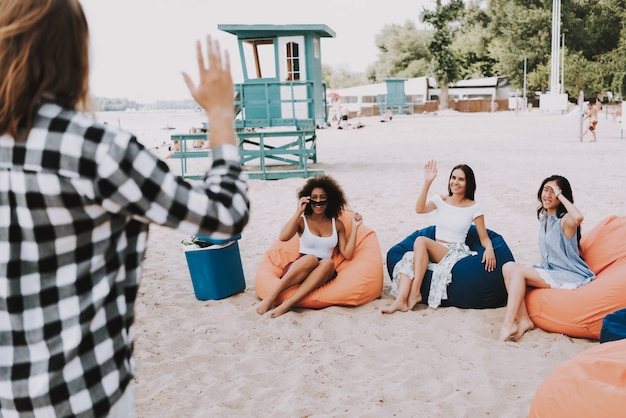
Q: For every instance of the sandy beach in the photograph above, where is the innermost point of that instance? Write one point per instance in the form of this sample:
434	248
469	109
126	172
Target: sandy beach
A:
220	358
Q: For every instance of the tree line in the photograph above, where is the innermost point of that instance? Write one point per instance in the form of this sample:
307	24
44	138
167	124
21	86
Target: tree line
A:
460	40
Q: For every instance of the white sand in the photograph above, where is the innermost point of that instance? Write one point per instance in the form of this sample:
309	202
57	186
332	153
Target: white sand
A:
219	358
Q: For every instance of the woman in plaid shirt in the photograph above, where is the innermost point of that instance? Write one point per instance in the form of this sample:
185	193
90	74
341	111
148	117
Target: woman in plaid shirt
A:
76	200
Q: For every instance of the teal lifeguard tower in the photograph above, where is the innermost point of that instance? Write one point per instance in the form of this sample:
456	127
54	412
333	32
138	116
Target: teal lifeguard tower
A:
282	99
395	99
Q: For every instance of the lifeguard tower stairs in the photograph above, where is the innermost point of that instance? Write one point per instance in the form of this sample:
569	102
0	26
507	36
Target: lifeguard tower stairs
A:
282	99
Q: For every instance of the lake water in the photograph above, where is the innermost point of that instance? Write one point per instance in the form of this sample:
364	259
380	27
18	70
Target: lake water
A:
152	128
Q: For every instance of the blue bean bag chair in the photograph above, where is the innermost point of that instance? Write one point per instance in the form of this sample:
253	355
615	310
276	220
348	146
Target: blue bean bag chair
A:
613	327
472	286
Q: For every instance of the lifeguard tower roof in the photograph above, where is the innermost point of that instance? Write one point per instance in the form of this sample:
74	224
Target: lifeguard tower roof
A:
262	30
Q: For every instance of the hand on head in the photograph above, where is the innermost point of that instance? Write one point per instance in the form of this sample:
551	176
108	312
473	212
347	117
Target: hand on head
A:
554	186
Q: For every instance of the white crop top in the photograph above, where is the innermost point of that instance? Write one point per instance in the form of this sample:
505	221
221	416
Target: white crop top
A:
453	222
321	247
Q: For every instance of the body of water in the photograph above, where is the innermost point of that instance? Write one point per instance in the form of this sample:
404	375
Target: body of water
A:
154	128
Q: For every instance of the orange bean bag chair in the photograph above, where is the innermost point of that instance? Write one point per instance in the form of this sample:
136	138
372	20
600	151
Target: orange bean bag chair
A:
592	384
359	280
579	312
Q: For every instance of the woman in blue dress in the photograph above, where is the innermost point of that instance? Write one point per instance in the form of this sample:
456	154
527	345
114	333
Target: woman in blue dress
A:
561	264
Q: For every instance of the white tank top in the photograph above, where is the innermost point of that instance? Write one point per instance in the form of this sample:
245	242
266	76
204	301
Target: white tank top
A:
321	247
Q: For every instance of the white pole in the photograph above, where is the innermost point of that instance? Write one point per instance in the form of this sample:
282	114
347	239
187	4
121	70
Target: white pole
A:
581	100
556	37
524	95
563	65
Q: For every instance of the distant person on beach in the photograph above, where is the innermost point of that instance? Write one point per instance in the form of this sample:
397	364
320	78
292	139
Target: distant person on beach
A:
198	143
591	118
77	198
387	116
456	212
616	112
343	118
561	264
172	148
320	202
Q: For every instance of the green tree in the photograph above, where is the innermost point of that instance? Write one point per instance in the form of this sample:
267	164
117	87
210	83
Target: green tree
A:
445	65
341	77
521	29
402	52
471	44
582	74
485	39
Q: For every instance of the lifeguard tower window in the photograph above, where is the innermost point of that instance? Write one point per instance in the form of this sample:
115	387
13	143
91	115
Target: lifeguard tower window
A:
260	58
293	61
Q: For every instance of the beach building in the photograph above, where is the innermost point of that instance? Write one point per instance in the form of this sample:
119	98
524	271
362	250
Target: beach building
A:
422	95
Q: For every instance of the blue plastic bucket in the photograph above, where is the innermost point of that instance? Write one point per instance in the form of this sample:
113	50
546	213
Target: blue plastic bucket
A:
216	271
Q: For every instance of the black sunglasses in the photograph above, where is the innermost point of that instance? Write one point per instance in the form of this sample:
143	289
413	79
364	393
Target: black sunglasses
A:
318	203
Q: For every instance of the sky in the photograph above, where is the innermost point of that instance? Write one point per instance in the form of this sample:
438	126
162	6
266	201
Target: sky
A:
140	47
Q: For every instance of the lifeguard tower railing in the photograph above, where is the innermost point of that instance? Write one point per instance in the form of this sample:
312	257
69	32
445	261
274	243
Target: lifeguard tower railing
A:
275	123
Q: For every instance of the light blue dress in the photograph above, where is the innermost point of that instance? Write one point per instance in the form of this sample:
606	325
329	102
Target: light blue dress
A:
560	256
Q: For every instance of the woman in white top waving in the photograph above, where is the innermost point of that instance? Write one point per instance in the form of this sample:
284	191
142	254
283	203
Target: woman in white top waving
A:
320	202
456	212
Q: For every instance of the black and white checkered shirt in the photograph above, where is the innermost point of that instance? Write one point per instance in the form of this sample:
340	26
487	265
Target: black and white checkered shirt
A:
76	199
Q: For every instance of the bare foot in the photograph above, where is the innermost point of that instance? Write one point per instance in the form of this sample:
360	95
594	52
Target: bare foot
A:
264	306
413	301
522	327
395	306
278	311
508	333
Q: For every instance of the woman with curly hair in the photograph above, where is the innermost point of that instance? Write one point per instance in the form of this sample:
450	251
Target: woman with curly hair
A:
320	202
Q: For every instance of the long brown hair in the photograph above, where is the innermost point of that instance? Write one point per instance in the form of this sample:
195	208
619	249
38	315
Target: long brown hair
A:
44	54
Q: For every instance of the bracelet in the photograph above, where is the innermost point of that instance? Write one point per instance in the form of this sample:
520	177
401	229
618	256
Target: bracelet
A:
560	193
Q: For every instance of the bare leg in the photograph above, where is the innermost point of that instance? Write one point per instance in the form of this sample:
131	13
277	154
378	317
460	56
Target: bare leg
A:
316	278
584	133
400	304
298	271
516	279
425	250
524	323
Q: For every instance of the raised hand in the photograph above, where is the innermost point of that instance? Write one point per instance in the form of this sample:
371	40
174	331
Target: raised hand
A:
215	90
215	93
430	170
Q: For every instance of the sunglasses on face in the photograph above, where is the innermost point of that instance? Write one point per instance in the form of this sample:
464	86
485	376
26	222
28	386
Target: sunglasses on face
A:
318	203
